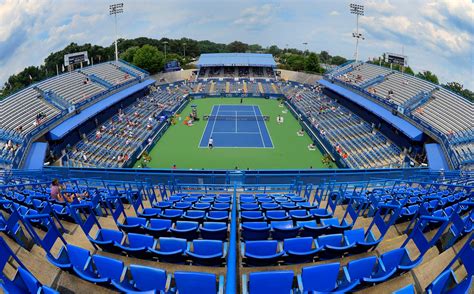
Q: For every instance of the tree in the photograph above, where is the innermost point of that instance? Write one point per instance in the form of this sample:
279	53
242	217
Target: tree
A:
324	57
255	48
295	62
129	54
338	60
237	46
274	50
149	58
312	63
428	76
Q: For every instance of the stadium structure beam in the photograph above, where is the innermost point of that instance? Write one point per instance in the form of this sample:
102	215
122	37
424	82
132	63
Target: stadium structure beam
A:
358	10
115	9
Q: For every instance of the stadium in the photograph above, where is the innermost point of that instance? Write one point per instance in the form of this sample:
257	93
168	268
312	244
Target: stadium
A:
234	174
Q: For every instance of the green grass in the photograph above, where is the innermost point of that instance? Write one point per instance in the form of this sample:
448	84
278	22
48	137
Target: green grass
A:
179	145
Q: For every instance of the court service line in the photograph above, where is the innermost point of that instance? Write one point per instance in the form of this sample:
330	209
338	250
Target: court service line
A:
258	125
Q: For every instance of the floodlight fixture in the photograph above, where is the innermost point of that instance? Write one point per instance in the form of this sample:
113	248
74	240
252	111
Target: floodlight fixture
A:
115	9
358	10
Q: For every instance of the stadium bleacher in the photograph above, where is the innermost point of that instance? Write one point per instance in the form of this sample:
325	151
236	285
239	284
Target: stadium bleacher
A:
371	236
358	142
440	111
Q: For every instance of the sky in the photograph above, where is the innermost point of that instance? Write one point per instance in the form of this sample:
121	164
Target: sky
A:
436	35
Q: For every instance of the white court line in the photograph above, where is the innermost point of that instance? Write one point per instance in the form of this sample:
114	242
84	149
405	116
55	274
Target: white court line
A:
247	133
258	124
236	131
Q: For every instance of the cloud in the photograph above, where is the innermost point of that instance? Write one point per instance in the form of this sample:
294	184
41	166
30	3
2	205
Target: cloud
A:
436	34
256	17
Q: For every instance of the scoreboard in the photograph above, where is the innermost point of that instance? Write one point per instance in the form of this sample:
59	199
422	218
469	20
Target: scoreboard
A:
398	59
75	58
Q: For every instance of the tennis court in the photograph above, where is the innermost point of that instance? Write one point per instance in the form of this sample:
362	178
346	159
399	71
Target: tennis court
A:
236	126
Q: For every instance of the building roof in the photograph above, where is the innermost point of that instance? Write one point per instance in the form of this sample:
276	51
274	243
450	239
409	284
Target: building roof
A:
236	59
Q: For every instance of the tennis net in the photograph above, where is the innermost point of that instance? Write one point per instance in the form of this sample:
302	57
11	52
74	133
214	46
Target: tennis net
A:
237	117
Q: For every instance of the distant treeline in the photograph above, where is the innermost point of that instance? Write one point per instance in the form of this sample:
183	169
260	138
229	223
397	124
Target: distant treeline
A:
151	55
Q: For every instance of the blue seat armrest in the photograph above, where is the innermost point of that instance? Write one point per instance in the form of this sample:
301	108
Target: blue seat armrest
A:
199	256
381	277
179	251
314	251
264	256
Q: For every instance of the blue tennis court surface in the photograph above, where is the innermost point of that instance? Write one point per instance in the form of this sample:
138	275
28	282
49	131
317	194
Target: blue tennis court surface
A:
236	126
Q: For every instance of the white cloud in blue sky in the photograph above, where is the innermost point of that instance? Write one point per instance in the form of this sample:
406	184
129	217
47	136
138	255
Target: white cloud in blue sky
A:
437	35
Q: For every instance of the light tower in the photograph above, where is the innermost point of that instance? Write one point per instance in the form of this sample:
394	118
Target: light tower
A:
357	10
115	9
165	43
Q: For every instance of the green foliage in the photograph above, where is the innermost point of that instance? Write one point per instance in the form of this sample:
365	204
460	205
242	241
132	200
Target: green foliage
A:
149	58
129	54
428	76
312	63
237	46
148	53
459	89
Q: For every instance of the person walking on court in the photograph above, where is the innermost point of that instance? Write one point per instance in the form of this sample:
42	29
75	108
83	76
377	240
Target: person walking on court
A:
241	100
210	143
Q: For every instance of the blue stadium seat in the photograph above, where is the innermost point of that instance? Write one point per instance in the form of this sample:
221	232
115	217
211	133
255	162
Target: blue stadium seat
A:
276	215
201	206
255	231
270	206
284	230
214	231
300	215
249	206
163	204
109	268
298	250
359	242
208	252
366	271
149	212
158	227
260	253
194	215
169	249
335	226
183	205
275	282
322	279
23	281
319	213
217	216
447	281
142	279
107	239
333	246
251	216
221	206
172	214
185	229
398	259
82	265
133	224
289	206
205	283
310	228
137	245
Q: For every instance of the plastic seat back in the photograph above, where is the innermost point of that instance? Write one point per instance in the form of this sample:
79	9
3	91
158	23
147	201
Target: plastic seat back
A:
262	248
148	278
192	282
320	278
302	244
274	282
